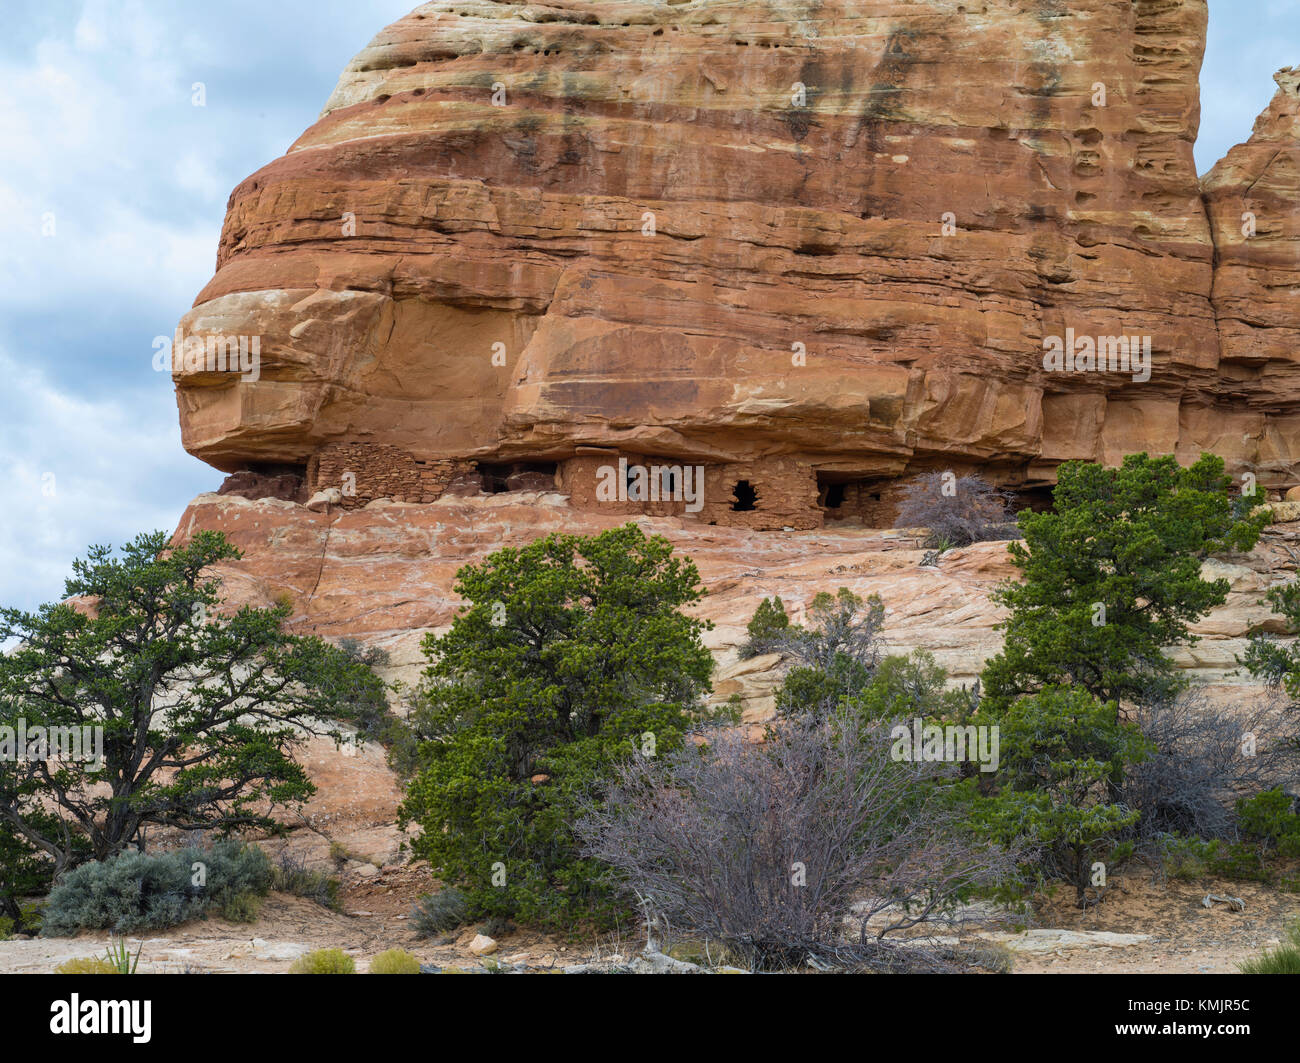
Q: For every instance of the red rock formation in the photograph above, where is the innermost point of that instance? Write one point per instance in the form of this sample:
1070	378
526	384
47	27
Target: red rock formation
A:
1253	196
778	238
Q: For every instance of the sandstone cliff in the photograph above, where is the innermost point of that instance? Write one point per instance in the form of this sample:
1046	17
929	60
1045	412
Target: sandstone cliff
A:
812	245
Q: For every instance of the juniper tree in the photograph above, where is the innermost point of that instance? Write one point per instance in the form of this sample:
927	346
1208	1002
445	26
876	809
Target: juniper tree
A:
573	654
1060	751
1112	575
837	653
200	710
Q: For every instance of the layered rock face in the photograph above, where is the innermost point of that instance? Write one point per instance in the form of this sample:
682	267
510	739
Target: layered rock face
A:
1253	196
811	246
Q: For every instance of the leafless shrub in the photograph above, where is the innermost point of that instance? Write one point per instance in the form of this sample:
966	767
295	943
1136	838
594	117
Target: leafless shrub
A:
1191	782
957	511
766	847
842	628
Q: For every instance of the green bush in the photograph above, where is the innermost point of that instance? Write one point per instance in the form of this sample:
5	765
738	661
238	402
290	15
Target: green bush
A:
395	961
138	891
440	913
768	629
573	655
1240	861
1285	959
1268	817
1111	577
324	961
1062	753
837	654
31	915
1186	858
910	687
363	701
239	907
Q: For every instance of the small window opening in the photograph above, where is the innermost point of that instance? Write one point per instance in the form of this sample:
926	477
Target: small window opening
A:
746	497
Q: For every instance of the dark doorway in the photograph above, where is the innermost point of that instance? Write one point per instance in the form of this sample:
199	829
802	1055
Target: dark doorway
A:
494	478
1038	499
517	476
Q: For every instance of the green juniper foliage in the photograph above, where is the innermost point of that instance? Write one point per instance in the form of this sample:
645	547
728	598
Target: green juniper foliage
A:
365	705
200	711
1269	818
571	652
767	629
1112	575
1275	662
912	686
1061	753
25	871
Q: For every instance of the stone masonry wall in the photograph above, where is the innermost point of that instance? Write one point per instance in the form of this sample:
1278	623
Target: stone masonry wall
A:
873	502
367	471
786	490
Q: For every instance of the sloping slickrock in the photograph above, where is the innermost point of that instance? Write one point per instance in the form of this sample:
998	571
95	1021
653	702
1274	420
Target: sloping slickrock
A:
385	574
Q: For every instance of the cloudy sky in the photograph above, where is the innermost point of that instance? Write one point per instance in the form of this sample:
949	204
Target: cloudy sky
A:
113	186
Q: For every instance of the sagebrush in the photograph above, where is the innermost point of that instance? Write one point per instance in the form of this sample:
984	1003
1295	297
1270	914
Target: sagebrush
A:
142	891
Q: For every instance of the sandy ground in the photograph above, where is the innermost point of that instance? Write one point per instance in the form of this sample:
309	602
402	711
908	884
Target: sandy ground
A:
375	917
1141	927
1184	936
